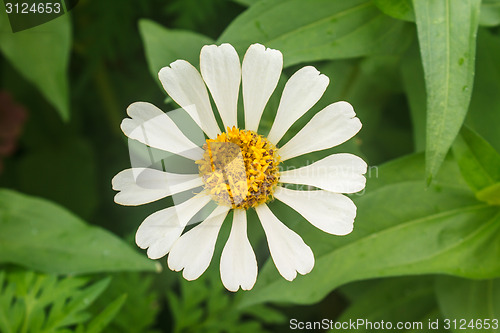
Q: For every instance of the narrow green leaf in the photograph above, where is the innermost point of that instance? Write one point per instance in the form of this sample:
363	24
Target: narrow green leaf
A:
266	314
490	195
400	9
447	36
246	3
466	300
403	10
164	46
6	297
479	162
317	29
41	55
490	13
99	323
87	296
412	74
73	312
438	230
41	235
37	302
141	307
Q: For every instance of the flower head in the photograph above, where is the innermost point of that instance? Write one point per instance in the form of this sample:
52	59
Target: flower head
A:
239	169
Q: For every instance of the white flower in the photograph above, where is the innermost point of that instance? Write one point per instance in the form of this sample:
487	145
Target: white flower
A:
239	169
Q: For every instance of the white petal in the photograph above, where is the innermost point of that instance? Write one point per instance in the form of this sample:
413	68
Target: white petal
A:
154	128
221	70
302	91
143	185
238	265
341	173
330	127
186	87
261	70
193	251
289	252
333	213
160	230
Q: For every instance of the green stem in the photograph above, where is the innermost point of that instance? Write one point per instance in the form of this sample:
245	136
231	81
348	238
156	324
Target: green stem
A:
108	98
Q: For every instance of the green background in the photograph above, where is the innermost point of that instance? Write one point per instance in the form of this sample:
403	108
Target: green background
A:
424	79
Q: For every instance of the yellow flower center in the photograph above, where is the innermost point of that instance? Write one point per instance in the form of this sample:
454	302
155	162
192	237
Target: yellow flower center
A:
239	168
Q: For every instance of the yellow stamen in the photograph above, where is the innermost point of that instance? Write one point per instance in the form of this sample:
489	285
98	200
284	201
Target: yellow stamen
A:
239	168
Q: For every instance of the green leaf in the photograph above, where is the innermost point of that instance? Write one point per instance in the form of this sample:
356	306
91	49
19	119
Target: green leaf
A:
102	320
400	9
43	236
463	299
406	299
403	10
490	195
164	46
412	74
204	305
41	55
79	301
479	162
490	13
483	113
35	302
438	230
140	309
447	36
266	314
317	29
246	3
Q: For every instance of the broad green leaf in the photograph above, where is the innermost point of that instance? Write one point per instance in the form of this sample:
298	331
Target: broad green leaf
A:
463	299
400	9
164	46
447	36
406	299
41	55
41	235
490	13
401	229
317	29
479	162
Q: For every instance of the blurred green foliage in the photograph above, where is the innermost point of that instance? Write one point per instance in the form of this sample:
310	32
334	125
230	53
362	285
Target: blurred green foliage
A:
32	302
423	77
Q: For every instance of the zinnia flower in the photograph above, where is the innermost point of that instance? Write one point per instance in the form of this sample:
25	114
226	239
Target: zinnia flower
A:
239	169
